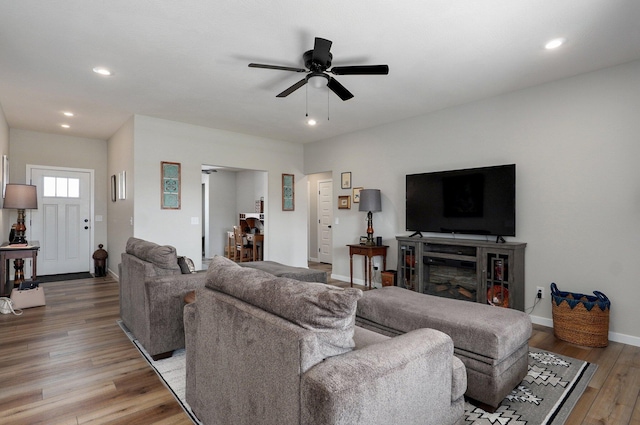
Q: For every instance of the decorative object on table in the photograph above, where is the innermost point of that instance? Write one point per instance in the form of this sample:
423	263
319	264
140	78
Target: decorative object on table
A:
363	240
6	307
27	298
371	202
288	193
345	180
20	197
580	319
100	261
356	194
344	202
170	190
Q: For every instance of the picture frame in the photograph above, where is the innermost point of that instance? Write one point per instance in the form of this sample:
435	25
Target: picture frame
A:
344	202
288	192
356	194
363	240
170	185
345	180
122	185
114	188
5	173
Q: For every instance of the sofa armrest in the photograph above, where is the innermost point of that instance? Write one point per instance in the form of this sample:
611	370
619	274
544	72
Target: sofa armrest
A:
164	298
408	379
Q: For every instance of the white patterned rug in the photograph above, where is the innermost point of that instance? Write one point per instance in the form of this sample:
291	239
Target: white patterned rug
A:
545	396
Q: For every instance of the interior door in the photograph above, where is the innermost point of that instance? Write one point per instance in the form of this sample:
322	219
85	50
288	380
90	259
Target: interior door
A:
325	218
62	222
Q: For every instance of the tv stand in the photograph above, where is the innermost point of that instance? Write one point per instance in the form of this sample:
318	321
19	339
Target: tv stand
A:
470	270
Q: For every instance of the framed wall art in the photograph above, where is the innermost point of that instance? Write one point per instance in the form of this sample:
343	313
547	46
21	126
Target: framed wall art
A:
288	193
170	185
356	194
5	173
345	180
114	188
344	202
122	185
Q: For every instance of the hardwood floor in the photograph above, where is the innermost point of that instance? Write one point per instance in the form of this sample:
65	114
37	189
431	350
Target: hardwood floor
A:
69	363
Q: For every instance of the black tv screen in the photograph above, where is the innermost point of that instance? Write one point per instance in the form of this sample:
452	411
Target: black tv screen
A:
477	201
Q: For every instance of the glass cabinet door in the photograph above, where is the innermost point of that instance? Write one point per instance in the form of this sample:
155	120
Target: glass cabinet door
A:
407	266
497	279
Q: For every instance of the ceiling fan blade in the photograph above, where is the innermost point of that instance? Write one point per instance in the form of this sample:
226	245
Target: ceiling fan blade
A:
281	68
321	53
339	89
361	70
293	88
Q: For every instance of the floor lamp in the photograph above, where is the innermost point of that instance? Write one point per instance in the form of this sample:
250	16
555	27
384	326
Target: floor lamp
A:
370	201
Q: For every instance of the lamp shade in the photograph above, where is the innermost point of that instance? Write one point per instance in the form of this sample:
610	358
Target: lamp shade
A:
370	200
20	196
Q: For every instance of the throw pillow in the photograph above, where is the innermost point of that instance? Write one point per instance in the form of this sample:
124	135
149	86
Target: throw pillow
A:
186	265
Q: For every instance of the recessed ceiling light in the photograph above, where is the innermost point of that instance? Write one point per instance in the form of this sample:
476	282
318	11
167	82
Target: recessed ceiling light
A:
102	71
65	126
311	121
68	114
555	43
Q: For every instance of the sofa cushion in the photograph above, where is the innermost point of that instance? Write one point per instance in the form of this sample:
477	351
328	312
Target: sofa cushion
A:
186	265
328	310
163	257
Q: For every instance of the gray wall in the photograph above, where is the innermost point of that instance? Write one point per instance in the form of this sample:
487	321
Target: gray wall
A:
575	143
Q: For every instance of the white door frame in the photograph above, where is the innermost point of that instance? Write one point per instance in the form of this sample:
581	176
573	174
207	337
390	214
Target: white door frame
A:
92	182
319	224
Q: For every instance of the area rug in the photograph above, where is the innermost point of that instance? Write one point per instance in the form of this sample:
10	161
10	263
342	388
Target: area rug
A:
545	396
64	276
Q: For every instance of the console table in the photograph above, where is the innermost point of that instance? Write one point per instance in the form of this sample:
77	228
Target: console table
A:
18	253
369	251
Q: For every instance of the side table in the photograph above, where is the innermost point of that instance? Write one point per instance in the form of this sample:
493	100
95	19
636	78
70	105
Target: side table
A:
369	251
18	253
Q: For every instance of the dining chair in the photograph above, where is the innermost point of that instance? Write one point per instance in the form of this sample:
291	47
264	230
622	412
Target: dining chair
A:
244	250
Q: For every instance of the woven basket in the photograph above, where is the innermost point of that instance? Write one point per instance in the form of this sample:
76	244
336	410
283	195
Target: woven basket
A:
580	319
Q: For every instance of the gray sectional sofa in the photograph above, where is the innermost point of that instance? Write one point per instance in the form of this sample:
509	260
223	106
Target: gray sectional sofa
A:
273	350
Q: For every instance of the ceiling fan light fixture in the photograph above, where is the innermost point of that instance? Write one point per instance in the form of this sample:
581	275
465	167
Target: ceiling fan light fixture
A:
311	122
318	81
555	43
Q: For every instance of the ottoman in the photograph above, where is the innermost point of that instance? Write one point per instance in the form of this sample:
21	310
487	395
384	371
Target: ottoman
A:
492	342
281	270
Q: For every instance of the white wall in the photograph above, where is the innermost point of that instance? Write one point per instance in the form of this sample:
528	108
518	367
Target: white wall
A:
575	143
161	140
4	150
120	158
56	150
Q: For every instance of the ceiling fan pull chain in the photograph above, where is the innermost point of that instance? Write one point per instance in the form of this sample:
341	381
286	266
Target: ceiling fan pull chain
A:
327	105
306	99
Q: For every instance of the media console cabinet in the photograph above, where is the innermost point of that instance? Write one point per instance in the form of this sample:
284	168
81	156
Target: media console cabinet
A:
471	270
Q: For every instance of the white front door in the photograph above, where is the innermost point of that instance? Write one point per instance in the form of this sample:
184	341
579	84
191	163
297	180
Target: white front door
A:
62	222
325	218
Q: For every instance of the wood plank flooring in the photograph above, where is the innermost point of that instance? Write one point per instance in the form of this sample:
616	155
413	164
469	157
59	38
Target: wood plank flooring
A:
69	363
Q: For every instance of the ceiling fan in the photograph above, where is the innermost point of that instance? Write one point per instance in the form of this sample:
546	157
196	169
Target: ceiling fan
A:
317	63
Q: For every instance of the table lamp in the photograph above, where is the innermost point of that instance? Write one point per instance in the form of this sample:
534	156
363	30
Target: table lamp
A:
20	197
370	201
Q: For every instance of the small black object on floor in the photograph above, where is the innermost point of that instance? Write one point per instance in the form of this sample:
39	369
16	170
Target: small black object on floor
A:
64	276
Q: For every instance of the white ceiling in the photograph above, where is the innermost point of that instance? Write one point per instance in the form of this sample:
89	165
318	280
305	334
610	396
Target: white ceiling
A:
187	60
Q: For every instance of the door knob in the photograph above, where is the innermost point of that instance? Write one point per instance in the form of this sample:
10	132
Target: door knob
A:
86	220
329	226
86	227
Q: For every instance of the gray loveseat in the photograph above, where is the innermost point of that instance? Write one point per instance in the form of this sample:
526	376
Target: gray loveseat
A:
152	290
272	350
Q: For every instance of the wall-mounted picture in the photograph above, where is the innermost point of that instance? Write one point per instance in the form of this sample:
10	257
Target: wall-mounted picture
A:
114	188
345	180
356	194
122	185
170	185
344	202
5	173
288	193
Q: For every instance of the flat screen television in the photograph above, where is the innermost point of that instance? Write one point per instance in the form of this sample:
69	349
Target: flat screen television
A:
476	201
